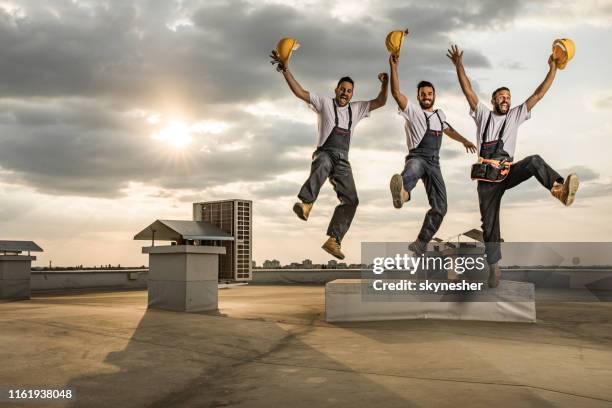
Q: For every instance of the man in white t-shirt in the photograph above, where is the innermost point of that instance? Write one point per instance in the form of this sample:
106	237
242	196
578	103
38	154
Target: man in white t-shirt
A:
497	134
337	117
424	128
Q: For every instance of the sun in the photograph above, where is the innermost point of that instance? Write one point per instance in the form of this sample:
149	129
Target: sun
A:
176	133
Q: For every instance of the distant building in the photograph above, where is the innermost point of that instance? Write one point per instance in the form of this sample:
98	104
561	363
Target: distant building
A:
273	264
236	218
357	266
307	264
332	264
341	265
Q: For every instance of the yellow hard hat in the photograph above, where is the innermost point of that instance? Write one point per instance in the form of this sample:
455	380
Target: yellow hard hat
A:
563	51
285	48
394	41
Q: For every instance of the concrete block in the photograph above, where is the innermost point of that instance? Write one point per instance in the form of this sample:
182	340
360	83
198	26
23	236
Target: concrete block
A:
168	267
184	262
192	296
15	271
15	267
345	301
15	289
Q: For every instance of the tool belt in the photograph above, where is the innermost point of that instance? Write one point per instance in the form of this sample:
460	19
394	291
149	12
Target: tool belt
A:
490	170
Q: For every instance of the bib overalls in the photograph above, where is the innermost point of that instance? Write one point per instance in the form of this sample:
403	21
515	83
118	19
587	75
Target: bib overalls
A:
423	163
331	161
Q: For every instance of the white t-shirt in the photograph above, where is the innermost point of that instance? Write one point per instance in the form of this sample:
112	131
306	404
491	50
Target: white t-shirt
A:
515	117
416	124
324	107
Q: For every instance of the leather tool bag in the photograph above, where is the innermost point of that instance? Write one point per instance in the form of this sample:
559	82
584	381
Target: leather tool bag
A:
489	169
492	171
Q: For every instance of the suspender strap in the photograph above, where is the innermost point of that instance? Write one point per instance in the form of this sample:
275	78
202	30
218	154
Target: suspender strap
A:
335	112
427	119
440	119
350	112
500	134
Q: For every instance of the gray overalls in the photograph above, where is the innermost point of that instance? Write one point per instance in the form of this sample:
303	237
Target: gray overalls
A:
423	162
331	161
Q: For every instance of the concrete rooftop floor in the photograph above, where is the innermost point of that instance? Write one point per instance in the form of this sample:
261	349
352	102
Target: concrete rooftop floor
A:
269	346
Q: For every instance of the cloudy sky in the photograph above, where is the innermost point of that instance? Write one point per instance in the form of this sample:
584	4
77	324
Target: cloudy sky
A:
117	113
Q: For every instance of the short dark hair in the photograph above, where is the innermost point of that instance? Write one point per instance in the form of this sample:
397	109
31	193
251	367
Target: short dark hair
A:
346	79
501	88
424	84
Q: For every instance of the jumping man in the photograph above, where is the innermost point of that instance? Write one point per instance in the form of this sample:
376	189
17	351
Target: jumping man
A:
496	136
424	127
337	118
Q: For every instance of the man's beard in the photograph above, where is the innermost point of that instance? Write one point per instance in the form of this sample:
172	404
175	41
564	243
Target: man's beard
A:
499	111
423	106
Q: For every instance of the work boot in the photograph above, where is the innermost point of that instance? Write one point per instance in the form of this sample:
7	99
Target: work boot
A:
494	275
332	247
399	194
566	192
302	210
418	247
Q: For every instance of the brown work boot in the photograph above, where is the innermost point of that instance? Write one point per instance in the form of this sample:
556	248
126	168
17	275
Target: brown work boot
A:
566	192
399	194
418	247
302	210
332	247
494	275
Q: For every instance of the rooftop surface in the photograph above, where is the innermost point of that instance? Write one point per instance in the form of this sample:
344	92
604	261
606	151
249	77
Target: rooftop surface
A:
269	346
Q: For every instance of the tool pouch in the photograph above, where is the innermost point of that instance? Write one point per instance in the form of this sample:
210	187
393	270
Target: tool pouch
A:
490	171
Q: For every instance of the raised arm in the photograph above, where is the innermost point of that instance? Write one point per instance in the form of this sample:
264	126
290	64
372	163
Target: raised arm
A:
544	86
400	98
294	85
457	58
381	99
453	134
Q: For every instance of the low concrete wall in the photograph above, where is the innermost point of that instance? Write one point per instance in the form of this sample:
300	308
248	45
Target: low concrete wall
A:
137	278
89	279
308	276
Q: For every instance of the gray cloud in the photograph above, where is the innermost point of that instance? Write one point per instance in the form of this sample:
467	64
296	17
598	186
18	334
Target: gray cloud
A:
70	71
69	150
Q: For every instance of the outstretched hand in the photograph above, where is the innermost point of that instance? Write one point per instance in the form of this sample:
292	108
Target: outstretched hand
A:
552	62
383	77
455	56
280	67
393	60
469	147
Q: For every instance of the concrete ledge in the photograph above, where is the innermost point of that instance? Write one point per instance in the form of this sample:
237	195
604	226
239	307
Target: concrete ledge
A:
302	276
89	279
184	249
344	302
